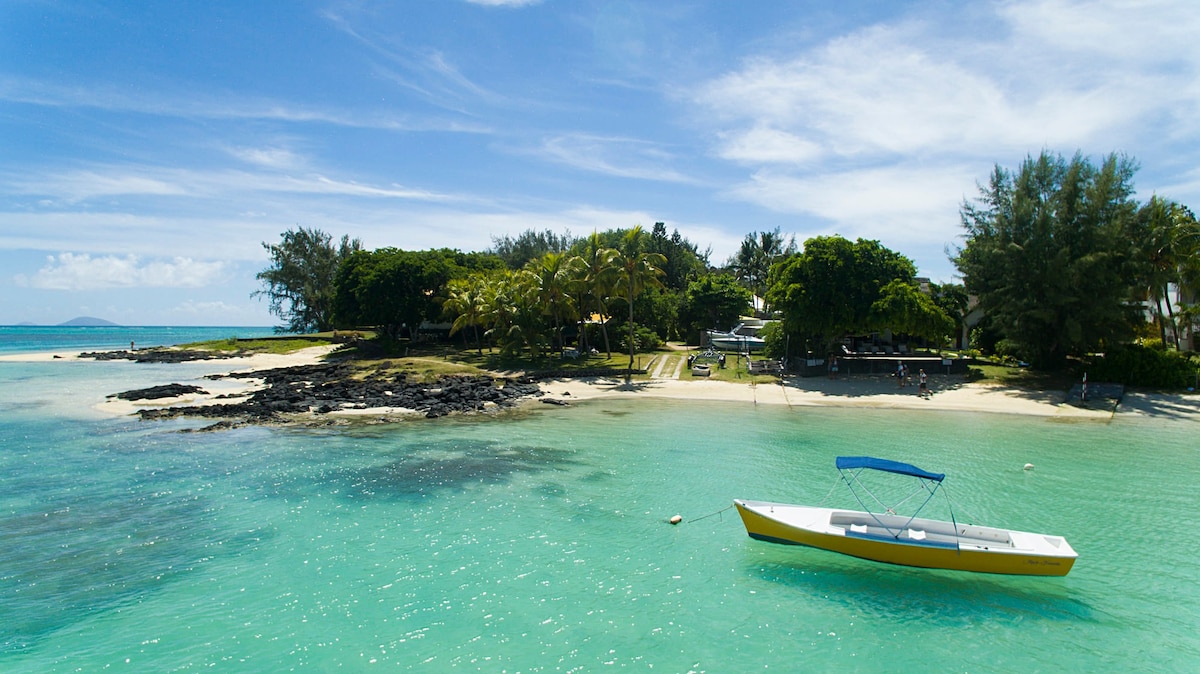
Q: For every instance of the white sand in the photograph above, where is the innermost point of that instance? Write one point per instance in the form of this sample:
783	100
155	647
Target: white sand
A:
948	392
233	390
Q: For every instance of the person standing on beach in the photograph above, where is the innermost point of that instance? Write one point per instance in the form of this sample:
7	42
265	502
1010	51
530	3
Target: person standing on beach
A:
923	385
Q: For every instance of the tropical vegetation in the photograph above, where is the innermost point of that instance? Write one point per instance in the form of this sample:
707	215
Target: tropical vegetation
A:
1058	258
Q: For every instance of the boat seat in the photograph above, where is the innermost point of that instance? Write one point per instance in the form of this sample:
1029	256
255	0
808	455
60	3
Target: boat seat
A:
858	528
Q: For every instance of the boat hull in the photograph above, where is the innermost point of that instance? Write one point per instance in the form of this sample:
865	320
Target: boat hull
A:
736	343
979	549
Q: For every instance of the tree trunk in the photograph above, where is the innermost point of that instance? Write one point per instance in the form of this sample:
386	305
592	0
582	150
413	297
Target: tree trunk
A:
1158	318
629	373
604	329
1171	314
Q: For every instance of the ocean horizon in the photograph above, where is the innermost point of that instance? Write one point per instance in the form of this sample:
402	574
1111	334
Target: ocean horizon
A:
34	338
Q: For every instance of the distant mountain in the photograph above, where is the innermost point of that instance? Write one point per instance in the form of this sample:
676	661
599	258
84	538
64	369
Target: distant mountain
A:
87	322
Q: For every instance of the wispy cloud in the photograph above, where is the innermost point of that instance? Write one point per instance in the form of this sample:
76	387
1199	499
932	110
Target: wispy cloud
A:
886	129
427	72
269	157
70	271
620	157
75	186
218	106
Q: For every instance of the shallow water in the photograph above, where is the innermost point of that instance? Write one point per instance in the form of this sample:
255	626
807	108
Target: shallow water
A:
32	338
538	541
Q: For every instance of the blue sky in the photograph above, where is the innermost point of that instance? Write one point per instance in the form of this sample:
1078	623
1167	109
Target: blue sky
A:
148	149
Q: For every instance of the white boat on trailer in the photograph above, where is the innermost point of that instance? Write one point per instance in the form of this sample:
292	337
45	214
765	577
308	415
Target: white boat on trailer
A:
736	339
906	540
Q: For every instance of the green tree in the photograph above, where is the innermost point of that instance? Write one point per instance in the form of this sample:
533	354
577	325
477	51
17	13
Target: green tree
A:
636	270
599	271
299	283
903	308
684	262
713	301
953	299
530	245
553	275
752	263
398	289
1166	238
1047	254
465	303
827	291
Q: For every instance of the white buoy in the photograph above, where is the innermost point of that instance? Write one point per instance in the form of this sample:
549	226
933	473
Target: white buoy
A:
676	519
1029	466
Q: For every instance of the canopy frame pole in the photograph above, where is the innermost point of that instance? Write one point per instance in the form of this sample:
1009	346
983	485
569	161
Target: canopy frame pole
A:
924	484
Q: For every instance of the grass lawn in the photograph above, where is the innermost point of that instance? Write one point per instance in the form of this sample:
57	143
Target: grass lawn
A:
1023	377
277	345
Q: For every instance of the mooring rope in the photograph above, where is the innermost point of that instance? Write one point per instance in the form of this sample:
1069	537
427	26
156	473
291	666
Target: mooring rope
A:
711	514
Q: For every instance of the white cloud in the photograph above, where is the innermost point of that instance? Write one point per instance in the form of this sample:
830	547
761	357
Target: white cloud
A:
218	106
124	181
920	87
882	132
268	157
905	207
767	146
69	271
620	157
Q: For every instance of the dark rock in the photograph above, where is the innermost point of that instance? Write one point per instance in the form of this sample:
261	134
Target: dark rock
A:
156	392
327	387
161	355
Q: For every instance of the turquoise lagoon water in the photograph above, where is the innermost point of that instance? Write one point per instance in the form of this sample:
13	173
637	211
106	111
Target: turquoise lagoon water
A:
24	338
538	542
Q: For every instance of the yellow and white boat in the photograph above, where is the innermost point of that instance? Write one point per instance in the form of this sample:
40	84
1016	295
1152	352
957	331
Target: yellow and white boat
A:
906	540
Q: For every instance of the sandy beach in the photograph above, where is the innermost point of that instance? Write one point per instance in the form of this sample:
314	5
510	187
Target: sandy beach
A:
949	393
217	390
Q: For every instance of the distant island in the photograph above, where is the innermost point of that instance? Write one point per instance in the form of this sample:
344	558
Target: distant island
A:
88	322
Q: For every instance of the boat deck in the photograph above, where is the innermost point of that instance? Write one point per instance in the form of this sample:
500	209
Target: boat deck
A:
919	531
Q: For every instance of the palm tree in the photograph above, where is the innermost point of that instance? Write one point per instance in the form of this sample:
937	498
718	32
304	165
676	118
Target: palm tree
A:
1170	245
600	276
466	302
753	261
635	272
552	277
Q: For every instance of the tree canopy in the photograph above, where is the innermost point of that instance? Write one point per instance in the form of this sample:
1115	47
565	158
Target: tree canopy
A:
752	263
828	290
530	245
1047	252
903	308
1166	238
713	301
396	289
299	283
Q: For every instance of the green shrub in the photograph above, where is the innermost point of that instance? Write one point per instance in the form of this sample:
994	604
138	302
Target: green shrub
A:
1008	350
644	339
776	340
1137	365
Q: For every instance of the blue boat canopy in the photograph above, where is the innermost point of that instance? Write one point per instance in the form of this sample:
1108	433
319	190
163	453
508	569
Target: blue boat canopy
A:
851	462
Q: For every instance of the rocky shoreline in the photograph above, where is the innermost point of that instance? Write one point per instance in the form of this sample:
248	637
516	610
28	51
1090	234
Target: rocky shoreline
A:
291	392
162	355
